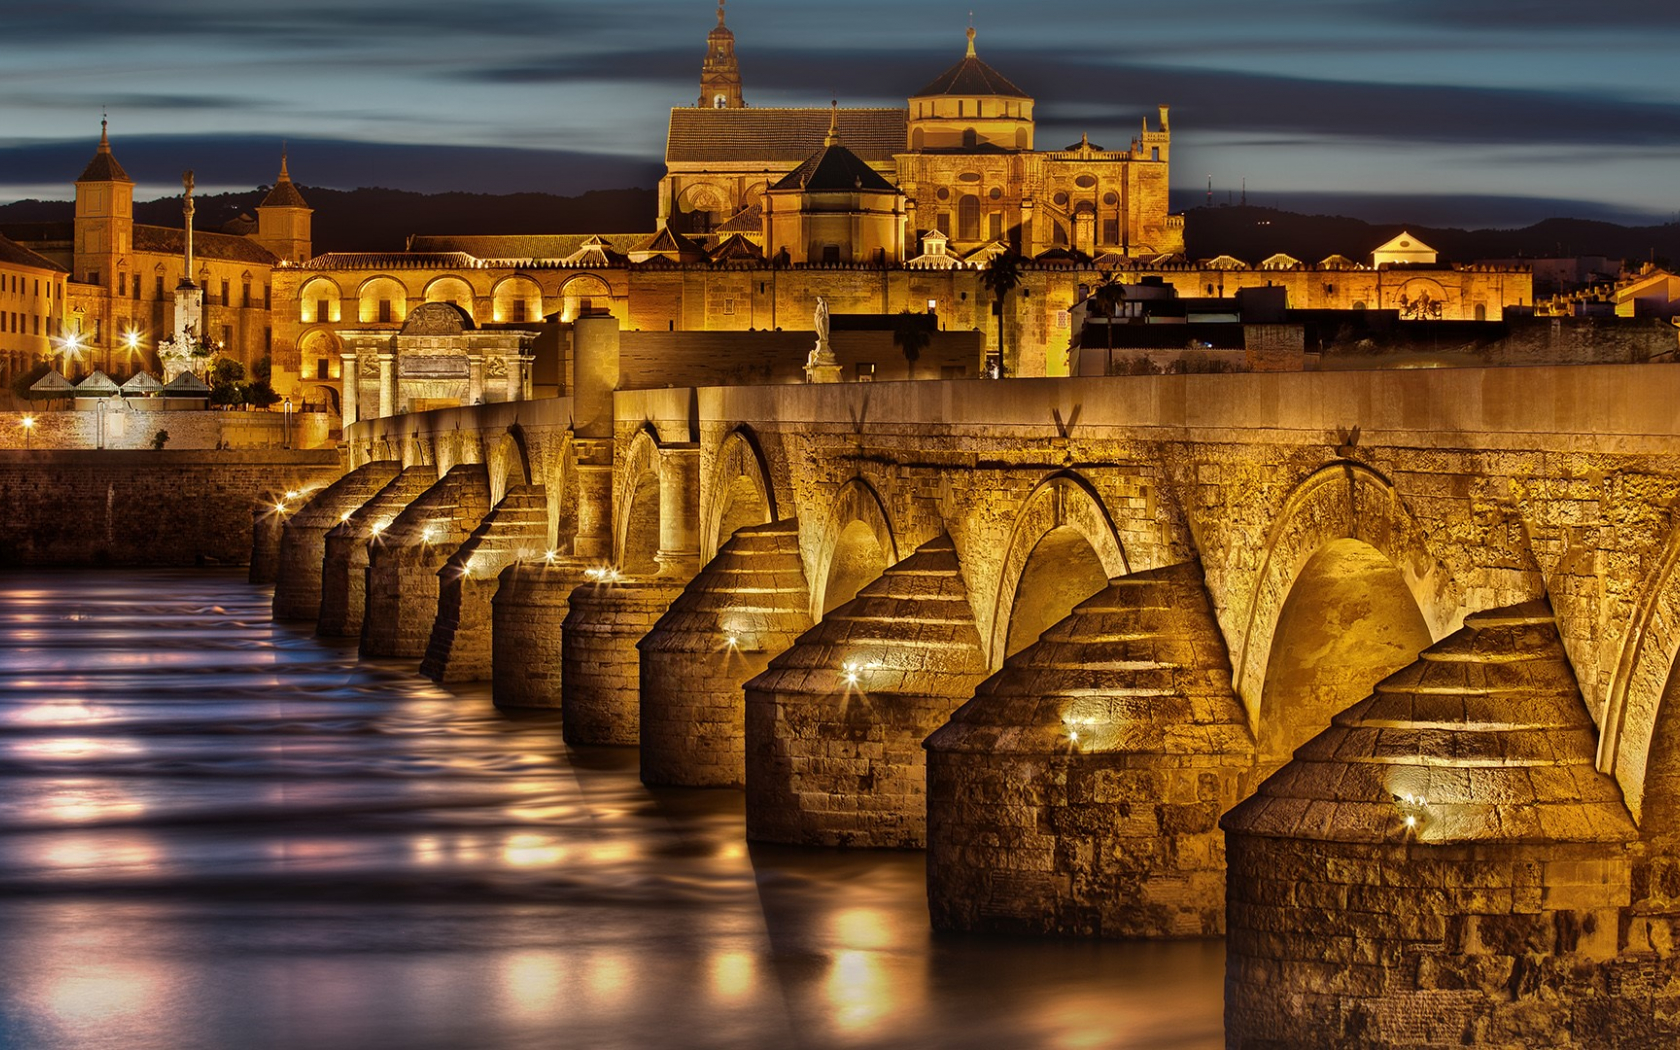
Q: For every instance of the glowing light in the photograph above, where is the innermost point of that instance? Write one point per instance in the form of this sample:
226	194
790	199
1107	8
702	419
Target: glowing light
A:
378	527
131	339
1073	735
850	672
550	556
732	641
292	494
429	534
1411	822
346	515
280	508
28	422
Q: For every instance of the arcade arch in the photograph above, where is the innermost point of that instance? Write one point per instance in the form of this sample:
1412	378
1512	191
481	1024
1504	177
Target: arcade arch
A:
382	300
515	300
583	294
449	289
318	301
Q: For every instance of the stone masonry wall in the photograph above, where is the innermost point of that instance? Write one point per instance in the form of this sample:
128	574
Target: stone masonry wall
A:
66	508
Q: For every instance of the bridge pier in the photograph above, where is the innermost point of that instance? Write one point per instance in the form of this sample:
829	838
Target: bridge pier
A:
746	606
268	525
344	564
459	649
1444	864
602	667
527	614
402	576
834	727
297	587
1079	792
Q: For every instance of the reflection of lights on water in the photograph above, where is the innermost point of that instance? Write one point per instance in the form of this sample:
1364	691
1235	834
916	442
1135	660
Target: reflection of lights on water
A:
88	801
732	974
103	853
609	977
75	747
528	850
529	982
858	991
105	997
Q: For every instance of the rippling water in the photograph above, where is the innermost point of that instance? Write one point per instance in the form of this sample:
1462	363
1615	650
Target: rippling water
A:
220	832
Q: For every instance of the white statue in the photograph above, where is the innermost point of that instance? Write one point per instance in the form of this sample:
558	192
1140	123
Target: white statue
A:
822	321
821	366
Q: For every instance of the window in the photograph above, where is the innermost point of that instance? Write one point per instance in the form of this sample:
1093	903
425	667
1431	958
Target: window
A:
157	289
245	294
1155	153
729	306
971	138
135	287
224	291
93	276
122	284
831	253
968	218
520	307
321	369
864	371
37	324
1111	231
227	337
942	223
323	312
994	226
268	340
385	311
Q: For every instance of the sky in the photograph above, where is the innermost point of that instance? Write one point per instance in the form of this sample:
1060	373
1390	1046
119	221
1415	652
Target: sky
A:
1433	110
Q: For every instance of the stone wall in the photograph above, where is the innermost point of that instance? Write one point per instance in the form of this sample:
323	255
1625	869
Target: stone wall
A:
136	424
113	507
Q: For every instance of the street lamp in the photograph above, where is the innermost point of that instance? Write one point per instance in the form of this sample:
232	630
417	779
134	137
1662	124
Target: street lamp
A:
71	347
286	424
28	429
131	343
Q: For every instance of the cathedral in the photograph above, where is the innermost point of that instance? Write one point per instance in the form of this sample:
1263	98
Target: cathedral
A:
761	211
961	158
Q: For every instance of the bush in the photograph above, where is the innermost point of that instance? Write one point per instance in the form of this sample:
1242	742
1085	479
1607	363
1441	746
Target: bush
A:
160	439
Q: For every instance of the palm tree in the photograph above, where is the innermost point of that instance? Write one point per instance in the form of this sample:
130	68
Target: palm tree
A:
911	334
1107	297
1000	277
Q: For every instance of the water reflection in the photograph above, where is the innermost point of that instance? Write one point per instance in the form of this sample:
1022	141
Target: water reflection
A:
219	832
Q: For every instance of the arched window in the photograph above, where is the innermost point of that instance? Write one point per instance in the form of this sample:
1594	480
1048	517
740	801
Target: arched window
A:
916	140
968	218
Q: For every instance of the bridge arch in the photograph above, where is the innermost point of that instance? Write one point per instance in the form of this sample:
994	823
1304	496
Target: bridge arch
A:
636	506
508	460
856	546
1346	593
1642	709
740	492
1063	548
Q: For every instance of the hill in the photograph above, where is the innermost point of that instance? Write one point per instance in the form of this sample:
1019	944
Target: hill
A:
1253	233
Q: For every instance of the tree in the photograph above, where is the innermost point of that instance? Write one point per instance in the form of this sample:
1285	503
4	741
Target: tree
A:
1107	297
911	334
1000	277
226	377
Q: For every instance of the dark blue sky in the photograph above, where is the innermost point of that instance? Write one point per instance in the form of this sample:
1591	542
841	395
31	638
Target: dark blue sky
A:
1543	106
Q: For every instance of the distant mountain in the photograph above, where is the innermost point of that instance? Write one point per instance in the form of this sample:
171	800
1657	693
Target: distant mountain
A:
371	220
1253	233
380	220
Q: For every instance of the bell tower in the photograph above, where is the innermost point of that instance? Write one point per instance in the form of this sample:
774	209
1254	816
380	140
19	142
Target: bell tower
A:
720	77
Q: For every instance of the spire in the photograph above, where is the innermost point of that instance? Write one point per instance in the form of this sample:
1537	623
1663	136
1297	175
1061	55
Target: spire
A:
104	167
285	176
720	76
104	134
833	138
284	194
720	14
971	36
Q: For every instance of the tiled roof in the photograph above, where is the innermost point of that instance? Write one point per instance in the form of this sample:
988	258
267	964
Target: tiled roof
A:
748	220
836	168
15	254
519	245
104	168
393	261
162	240
971	77
780	136
284	195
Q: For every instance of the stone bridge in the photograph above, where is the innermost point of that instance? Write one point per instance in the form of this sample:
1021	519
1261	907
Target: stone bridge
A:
1111	607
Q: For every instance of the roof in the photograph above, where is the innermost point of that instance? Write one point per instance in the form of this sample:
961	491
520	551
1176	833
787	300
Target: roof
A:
1485	738
517	245
284	195
15	254
104	167
393	261
162	240
834	169
781	136
971	77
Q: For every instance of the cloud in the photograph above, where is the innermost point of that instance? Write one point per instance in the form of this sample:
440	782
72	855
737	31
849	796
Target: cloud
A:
231	161
1527	16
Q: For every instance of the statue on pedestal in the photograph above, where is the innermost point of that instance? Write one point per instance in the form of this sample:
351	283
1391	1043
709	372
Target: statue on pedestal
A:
822	366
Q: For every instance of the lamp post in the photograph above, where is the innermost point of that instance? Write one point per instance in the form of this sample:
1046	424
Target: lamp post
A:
286	424
28	429
99	425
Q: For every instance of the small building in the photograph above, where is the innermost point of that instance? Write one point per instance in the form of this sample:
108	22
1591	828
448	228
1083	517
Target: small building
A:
439	359
1403	250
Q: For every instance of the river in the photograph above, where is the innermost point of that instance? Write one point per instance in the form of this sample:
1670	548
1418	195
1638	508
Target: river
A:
220	832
